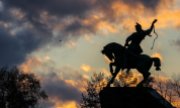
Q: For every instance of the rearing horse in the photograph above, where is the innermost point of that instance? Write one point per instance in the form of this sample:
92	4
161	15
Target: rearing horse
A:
121	58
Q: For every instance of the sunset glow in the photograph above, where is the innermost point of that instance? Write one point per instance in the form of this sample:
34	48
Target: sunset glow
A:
60	41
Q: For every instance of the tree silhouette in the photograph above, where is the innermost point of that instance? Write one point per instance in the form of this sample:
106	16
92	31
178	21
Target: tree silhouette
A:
19	90
169	89
90	99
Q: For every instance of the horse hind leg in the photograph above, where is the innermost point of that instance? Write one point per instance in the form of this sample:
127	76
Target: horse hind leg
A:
157	63
145	81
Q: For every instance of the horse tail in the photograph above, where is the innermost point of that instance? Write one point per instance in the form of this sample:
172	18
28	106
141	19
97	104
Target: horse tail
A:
157	63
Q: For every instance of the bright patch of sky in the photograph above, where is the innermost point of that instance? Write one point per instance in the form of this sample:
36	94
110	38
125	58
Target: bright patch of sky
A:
177	4
89	52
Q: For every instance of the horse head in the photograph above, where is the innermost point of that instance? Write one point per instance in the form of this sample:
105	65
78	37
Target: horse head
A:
112	49
108	54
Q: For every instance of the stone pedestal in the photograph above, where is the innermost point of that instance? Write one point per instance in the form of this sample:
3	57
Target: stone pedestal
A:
116	97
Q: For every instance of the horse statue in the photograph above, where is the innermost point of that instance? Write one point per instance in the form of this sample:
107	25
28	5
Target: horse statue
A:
122	58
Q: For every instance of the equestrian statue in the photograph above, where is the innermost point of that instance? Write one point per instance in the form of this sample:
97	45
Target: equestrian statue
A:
130	55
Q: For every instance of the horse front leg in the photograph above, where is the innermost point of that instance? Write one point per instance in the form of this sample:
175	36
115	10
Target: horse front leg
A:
111	68
113	76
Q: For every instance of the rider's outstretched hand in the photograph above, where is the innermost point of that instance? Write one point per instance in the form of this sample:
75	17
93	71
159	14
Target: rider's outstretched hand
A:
155	20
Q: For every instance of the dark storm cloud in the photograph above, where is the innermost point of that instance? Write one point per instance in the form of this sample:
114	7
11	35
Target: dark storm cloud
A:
10	49
62	90
44	17
59	8
15	49
56	7
177	43
150	4
75	26
58	88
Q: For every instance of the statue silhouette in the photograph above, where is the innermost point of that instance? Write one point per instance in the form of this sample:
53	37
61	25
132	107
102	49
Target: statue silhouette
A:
133	41
129	56
117	54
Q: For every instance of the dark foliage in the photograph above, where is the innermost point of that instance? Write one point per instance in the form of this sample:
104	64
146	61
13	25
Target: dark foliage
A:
91	99
19	90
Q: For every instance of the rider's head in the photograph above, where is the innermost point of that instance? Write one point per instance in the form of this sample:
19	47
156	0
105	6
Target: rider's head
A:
138	27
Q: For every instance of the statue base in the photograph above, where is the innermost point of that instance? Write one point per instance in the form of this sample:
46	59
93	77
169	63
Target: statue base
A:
132	97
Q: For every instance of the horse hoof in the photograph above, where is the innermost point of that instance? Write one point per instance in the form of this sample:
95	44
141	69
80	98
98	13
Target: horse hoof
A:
108	85
158	68
140	85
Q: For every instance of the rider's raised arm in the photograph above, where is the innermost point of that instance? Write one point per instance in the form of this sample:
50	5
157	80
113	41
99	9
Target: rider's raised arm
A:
148	31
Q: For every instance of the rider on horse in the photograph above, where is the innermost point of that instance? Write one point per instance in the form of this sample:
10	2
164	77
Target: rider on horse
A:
129	56
134	40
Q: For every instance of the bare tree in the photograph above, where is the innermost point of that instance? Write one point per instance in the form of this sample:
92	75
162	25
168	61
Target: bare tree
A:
91	99
19	90
169	89
177	86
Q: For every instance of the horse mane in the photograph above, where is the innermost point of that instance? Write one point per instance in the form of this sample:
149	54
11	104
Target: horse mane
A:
114	46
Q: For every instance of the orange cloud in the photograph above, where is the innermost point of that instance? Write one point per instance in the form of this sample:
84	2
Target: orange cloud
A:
118	14
158	55
30	64
161	78
98	22
121	14
86	68
106	27
70	104
60	104
169	18
176	103
71	44
79	84
17	13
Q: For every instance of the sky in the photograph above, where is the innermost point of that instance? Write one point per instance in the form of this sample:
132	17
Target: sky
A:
60	41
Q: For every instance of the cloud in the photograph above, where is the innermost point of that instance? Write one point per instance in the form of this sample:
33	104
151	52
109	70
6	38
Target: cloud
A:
28	25
69	104
158	55
86	68
177	43
63	84
35	63
149	4
1	6
15	49
31	63
57	7
63	89
66	84
56	103
56	87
